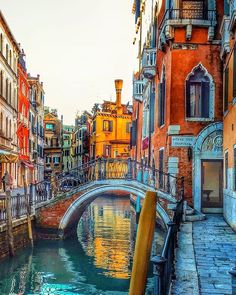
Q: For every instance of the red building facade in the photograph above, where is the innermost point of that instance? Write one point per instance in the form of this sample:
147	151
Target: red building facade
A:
177	118
24	165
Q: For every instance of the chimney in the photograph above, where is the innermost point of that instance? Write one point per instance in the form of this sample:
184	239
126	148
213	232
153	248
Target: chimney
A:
118	85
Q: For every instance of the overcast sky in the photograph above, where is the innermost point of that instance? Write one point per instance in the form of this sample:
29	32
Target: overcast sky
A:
78	48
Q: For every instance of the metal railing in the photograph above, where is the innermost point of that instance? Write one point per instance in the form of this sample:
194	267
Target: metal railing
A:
19	207
105	169
164	263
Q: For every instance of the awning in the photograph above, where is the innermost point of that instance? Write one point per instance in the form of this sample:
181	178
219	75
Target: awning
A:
7	157
28	164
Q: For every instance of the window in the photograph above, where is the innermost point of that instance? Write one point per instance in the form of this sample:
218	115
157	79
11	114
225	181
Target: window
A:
10	58
50	127
234	73
226	169
94	126
56	160
134	133
226	87
161	168
7	52
1	42
152	109
162	100
10	93
198	104
235	168
107	125
48	160
1	122
1	83
7	89
106	150
128	127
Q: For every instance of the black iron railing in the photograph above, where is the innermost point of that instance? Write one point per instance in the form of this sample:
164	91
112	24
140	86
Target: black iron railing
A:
164	263
105	169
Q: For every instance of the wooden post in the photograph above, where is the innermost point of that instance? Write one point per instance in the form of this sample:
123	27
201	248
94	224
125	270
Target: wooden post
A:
9	223
28	213
143	244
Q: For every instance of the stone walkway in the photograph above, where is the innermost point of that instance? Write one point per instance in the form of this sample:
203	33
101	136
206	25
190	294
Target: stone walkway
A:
207	251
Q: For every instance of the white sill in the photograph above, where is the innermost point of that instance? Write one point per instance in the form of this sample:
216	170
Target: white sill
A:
200	119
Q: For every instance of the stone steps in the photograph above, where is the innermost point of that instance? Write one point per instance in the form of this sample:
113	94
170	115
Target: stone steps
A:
193	215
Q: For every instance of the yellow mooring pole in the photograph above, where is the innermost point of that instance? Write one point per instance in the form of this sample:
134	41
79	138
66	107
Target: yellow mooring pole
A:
143	245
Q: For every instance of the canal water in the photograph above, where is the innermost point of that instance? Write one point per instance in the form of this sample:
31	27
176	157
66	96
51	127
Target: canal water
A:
98	261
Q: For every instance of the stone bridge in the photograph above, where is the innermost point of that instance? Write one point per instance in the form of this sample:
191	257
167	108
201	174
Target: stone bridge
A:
60	203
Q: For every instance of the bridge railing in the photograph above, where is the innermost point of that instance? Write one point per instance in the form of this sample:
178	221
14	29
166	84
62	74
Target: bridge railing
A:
105	169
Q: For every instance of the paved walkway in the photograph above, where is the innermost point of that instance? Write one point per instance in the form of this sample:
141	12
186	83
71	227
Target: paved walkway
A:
209	253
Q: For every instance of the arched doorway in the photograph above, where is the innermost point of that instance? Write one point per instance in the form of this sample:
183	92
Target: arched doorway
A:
208	170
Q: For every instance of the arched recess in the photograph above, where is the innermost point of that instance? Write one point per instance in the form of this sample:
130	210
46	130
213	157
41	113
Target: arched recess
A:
76	209
208	146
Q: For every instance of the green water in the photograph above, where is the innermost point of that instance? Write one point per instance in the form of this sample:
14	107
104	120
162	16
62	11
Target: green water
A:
97	262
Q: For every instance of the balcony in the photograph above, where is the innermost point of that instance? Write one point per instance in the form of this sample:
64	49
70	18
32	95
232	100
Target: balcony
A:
193	14
224	30
232	21
149	63
138	86
188	17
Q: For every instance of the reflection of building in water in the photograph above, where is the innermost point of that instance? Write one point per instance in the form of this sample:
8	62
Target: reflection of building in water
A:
106	234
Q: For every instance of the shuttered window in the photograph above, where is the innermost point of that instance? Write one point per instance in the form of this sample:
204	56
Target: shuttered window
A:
134	133
161	103
152	111
107	125
226	169
234	73
226	87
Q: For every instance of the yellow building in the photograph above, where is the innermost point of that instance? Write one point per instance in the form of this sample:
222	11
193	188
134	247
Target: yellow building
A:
110	134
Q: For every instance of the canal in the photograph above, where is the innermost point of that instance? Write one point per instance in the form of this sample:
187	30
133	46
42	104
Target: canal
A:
97	261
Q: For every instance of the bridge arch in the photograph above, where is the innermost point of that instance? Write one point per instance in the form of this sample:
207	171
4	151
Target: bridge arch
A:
76	209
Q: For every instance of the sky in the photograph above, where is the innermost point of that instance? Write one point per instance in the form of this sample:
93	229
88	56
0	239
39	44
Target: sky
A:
77	47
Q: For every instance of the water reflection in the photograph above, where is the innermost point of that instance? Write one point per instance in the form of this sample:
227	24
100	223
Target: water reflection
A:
97	262
109	236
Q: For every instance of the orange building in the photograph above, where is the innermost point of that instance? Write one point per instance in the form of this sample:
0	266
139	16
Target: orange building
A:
228	54
110	135
178	96
24	165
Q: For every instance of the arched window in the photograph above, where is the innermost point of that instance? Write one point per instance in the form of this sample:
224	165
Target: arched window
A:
199	94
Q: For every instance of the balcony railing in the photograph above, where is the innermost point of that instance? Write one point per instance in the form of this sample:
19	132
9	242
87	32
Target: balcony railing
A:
149	62
199	14
138	86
